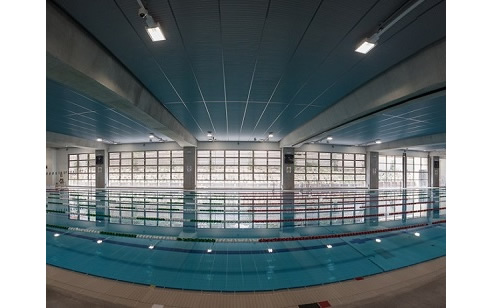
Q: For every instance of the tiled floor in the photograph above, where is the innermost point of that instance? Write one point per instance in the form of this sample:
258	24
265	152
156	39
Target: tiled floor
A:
421	285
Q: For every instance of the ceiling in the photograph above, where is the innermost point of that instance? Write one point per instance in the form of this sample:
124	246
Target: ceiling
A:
242	69
71	113
413	119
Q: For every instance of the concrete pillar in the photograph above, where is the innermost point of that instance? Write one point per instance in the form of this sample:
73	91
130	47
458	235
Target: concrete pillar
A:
288	168
373	170
100	169
189	186
404	192
101	193
435	171
435	185
373	184
189	161
288	187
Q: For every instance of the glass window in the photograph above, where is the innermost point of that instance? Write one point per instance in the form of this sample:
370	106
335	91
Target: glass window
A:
146	169
390	171
227	168
329	169
417	172
80	174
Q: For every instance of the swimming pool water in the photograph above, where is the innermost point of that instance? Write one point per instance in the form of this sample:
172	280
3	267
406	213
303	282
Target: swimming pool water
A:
247	265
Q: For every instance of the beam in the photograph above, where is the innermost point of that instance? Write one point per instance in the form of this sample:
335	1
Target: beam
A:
418	75
55	140
409	142
75	59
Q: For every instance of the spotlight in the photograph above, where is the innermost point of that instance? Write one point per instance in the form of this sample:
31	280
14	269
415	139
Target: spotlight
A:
209	134
153	28
329	246
99	139
329	138
270	135
209	250
417	234
378	141
155	33
270	250
99	241
151	136
365	46
378	240
151	247
368	43
56	234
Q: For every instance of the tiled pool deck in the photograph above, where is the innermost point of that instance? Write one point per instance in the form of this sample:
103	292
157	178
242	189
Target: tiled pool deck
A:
403	286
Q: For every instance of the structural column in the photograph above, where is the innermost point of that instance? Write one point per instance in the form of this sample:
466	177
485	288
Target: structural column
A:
288	195
435	186
189	186
404	191
101	193
373	179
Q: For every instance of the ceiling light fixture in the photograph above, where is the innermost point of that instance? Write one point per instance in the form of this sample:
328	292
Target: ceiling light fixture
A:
153	137
106	141
153	28
378	141
417	234
378	240
56	234
151	247
270	135
366	46
329	246
368	43
209	250
270	250
99	241
329	138
209	134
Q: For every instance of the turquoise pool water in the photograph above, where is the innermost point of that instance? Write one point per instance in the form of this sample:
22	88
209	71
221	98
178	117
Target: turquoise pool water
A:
227	248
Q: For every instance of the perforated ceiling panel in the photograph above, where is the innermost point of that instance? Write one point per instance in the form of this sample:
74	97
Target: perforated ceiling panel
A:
244	68
71	113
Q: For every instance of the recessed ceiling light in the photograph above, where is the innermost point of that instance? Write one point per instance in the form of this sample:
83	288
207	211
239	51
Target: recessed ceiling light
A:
365	46
151	247
270	135
99	241
270	250
417	234
378	141
99	139
209	250
155	33
329	246
56	234
378	240
329	138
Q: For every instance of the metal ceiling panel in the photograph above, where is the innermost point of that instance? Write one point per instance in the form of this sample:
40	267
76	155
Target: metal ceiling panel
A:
228	66
420	118
71	113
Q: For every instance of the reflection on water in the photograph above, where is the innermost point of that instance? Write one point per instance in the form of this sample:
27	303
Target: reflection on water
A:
244	210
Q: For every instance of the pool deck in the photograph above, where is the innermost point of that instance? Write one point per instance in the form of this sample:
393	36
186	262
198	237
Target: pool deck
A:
421	285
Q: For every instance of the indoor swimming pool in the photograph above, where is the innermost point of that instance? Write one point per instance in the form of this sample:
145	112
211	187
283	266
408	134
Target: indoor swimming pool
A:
242	241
